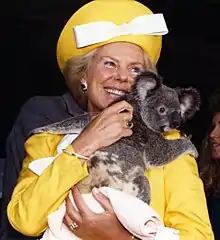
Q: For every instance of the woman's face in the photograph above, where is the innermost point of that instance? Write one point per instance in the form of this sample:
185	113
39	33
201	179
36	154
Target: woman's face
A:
215	136
112	73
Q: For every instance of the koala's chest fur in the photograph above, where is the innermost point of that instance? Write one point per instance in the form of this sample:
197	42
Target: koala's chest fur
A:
123	164
120	166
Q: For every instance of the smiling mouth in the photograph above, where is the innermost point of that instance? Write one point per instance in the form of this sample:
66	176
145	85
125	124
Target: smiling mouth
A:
215	145
116	92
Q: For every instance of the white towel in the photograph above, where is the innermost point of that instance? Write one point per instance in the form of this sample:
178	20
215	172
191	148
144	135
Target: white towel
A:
136	216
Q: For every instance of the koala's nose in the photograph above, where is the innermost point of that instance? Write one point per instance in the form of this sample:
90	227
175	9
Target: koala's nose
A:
175	120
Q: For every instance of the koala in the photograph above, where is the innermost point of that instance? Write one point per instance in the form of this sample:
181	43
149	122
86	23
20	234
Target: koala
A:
157	109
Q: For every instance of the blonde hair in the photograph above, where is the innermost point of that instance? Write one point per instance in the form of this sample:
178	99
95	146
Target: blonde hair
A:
76	69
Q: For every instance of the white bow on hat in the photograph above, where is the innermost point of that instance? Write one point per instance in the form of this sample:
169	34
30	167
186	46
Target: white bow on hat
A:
100	31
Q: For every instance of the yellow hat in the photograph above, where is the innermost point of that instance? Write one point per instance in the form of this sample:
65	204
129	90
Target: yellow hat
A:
114	11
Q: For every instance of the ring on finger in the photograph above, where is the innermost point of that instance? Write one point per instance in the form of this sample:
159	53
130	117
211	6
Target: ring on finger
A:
130	124
73	226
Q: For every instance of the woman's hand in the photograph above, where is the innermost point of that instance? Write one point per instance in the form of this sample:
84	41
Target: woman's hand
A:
93	226
105	129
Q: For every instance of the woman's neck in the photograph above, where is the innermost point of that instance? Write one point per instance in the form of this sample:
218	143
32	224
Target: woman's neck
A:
92	110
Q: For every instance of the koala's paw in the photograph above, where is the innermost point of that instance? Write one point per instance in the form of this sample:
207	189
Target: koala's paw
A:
190	148
186	146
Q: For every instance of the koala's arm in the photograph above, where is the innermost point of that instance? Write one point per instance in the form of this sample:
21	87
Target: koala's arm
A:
162	150
185	201
44	193
67	126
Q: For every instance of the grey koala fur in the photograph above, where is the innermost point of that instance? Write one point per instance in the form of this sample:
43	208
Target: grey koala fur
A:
157	108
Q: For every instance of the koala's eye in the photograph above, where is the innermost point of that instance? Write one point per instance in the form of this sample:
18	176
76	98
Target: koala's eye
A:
162	110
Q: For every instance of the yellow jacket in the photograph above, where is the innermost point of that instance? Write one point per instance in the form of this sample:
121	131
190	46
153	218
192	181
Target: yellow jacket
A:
176	190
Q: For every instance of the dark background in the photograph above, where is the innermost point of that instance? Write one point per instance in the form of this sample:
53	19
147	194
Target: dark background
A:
30	30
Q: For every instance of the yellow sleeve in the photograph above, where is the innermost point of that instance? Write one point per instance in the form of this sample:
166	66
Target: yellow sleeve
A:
34	196
186	208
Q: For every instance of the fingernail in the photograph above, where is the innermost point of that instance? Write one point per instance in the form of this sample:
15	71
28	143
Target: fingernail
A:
96	190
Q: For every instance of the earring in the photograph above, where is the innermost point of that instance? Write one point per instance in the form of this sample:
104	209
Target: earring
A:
84	86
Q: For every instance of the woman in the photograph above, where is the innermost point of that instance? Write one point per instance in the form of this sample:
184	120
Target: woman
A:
100	67
210	164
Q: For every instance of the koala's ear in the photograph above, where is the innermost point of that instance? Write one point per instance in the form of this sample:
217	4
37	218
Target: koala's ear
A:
190	102
145	83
